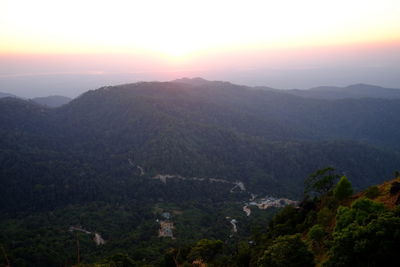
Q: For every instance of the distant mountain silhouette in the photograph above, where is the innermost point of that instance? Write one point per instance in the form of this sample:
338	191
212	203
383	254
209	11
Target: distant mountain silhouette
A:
52	101
352	91
6	95
48	101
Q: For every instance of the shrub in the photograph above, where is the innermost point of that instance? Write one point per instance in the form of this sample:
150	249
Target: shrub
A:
343	189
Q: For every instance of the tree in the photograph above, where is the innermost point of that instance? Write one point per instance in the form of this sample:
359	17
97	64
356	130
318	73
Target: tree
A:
367	234
316	233
287	251
316	236
343	189
321	182
325	216
205	250
120	260
287	221
361	212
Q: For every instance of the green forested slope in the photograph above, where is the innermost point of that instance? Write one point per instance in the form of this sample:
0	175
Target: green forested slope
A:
333	228
267	140
81	164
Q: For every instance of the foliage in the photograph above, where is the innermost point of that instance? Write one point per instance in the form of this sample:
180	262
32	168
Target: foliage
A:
343	189
367	234
78	165
205	250
79	153
325	216
287	251
361	212
321	181
119	260
288	221
316	233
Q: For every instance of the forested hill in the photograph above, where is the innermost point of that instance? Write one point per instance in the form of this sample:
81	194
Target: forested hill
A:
270	115
113	160
195	128
351	91
332	228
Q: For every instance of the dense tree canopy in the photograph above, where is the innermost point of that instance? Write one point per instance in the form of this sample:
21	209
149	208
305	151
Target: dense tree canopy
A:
287	251
93	164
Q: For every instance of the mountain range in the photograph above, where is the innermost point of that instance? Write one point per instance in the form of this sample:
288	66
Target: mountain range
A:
351	91
113	161
49	101
266	139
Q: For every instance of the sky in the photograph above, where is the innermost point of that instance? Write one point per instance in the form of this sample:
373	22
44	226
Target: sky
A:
67	47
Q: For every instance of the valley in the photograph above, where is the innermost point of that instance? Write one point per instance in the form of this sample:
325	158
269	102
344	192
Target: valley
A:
220	158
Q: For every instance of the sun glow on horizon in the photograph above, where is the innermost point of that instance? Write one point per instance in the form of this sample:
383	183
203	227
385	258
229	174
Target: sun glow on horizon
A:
179	29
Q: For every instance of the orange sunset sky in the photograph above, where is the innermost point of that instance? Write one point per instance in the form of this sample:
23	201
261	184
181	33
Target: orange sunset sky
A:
284	44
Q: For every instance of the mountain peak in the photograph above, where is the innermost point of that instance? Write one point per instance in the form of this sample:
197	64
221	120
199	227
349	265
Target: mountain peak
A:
198	81
191	80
